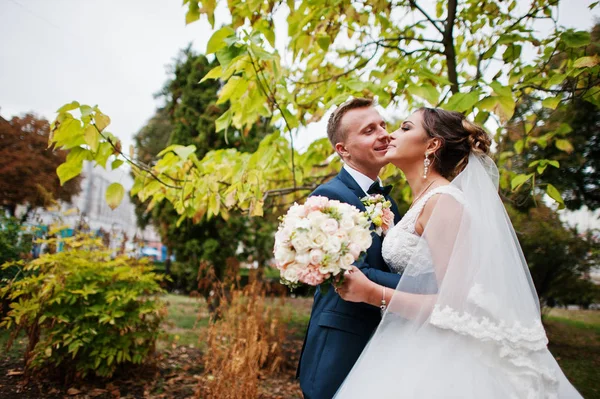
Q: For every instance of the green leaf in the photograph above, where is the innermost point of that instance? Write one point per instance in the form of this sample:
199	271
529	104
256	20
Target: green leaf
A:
217	40
114	195
519	180
86	110
105	150
556	79
505	108
511	53
68	107
555	195
587	62
68	171
462	102
233	89
92	137
551	102
214	73
184	152
324	41
519	144
291	119
576	38
116	163
563	129
502	91
564	145
224	121
488	103
425	91
193	13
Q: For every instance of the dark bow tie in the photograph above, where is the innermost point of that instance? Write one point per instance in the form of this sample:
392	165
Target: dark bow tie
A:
377	189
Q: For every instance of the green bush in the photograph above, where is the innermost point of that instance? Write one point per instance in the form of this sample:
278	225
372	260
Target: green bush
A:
84	312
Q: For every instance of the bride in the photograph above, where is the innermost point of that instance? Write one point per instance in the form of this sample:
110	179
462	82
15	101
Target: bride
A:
464	321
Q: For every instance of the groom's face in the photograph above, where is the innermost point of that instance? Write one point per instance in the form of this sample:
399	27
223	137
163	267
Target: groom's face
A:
365	141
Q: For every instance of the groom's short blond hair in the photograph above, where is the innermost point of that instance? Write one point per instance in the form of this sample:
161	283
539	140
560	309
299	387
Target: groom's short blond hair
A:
335	131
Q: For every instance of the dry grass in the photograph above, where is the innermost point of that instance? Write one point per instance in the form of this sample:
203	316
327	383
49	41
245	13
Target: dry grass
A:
244	344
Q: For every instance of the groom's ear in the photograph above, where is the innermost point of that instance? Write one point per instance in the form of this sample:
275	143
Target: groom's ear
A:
341	150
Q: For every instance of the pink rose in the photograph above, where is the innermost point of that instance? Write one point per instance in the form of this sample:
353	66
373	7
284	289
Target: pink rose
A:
388	219
316	203
311	276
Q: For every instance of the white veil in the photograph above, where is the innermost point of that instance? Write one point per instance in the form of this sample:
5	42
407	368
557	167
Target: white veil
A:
464	321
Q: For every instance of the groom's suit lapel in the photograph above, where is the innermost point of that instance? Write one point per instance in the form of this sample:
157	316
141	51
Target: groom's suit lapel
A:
349	181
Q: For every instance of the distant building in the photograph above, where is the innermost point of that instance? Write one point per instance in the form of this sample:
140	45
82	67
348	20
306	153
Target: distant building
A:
90	207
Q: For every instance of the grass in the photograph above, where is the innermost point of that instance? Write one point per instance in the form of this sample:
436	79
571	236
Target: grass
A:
574	335
17	348
575	343
186	322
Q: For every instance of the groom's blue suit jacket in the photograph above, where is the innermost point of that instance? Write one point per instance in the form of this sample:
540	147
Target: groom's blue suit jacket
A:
338	331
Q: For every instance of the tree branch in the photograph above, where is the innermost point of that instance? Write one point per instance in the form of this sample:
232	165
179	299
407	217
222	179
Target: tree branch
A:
414	4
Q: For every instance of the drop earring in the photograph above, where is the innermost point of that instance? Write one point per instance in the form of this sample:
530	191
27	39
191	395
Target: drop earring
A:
426	164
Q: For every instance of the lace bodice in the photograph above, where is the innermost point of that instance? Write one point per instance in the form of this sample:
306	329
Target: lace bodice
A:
400	243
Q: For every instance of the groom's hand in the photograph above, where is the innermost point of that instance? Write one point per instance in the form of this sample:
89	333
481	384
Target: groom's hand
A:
356	287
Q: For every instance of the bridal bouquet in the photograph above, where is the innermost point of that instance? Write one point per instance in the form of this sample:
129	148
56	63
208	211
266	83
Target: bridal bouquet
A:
318	240
378	209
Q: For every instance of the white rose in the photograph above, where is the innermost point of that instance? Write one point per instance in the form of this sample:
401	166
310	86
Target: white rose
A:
330	226
316	256
354	249
333	245
316	217
283	254
303	259
346	261
317	238
291	273
346	223
300	242
302	224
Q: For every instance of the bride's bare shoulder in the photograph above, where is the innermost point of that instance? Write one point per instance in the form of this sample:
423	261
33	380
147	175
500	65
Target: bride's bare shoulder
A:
446	203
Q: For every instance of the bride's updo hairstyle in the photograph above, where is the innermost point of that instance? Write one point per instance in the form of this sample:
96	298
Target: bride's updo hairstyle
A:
458	136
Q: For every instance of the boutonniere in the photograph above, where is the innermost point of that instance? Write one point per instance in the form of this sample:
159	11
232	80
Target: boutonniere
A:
378	209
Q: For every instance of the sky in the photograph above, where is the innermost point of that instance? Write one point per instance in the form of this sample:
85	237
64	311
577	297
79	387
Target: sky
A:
114	54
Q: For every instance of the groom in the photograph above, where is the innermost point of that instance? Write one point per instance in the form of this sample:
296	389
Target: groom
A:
338	330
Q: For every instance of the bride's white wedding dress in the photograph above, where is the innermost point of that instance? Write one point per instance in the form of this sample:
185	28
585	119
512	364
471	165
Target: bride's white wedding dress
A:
464	321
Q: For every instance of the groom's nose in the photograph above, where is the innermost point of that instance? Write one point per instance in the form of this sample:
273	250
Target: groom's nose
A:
382	134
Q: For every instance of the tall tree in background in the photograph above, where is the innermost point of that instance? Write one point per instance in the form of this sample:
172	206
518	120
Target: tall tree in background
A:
28	166
571	162
188	117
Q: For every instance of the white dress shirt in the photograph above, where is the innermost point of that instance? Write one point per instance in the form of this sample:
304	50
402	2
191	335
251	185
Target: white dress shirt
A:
363	181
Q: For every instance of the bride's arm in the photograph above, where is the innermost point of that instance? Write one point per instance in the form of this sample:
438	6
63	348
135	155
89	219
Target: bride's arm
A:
439	223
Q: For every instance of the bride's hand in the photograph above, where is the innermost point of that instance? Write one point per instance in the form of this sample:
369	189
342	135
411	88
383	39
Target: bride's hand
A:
356	287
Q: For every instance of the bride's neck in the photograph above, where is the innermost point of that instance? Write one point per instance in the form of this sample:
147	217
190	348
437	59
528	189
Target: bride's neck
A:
415	180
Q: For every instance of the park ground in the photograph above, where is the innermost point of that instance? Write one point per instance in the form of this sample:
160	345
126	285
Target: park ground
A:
178	367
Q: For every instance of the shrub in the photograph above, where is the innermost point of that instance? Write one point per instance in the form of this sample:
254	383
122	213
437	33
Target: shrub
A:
14	244
83	312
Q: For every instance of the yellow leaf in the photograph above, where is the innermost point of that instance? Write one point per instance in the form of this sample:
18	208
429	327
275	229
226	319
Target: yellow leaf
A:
587	62
102	121
114	195
92	137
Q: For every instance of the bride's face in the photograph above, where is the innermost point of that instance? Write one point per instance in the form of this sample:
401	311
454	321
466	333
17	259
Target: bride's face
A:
408	144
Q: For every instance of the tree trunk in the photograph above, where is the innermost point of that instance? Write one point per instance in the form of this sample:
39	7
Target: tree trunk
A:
449	50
